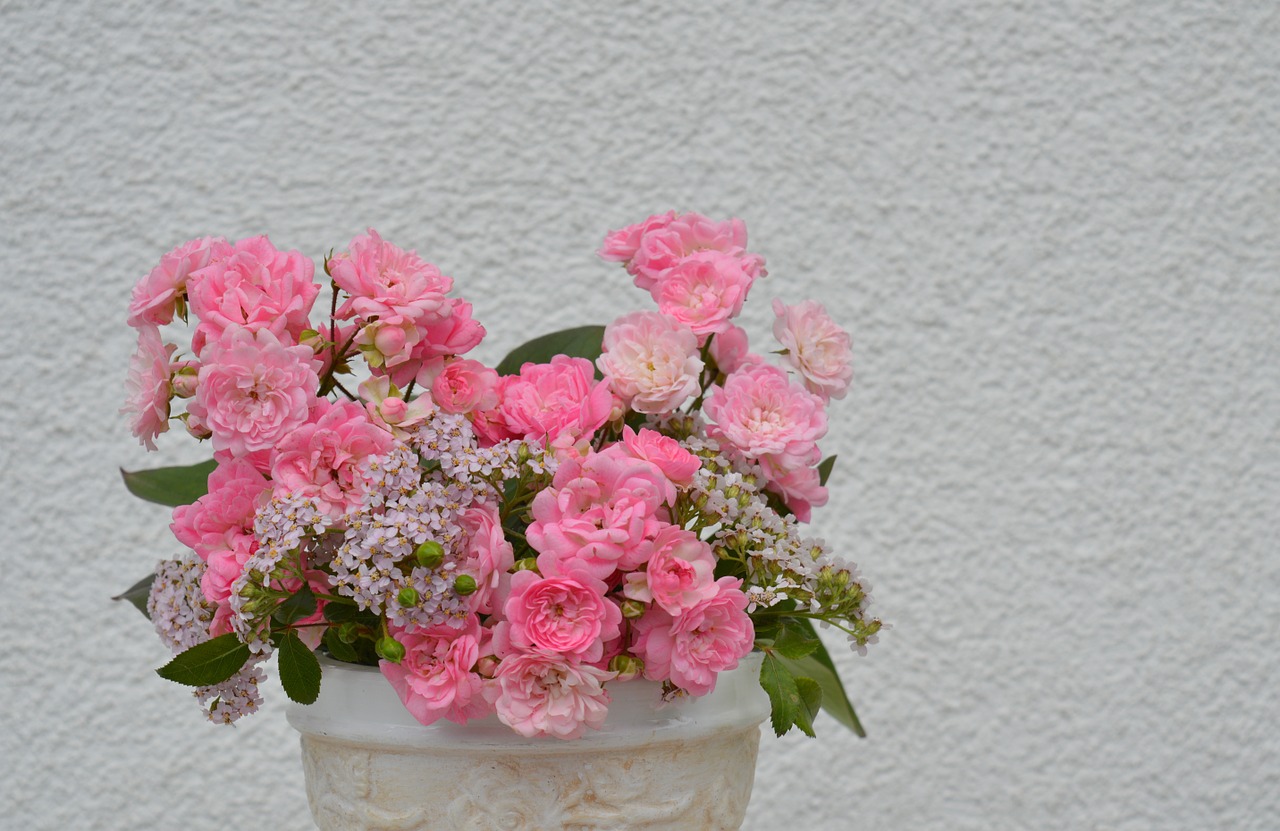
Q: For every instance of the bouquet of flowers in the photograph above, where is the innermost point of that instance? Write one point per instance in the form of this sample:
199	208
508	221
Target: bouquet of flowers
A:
608	503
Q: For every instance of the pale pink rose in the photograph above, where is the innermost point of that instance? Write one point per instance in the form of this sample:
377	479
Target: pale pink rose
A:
260	459
387	408
760	411
385	281
691	648
435	678
148	388
225	565
464	386
703	291
321	459
568	616
677	463
651	361
256	287
253	390
796	480
819	349
489	555
680	573
620	246
213	521
389	342
597	511
538	694
660	249
455	333
155	297
546	400
729	349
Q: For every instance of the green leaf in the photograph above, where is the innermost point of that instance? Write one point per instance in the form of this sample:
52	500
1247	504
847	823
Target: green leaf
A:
172	486
204	664
138	593
296	606
796	640
580	342
336	612
299	669
784	696
810	700
835	701
824	469
340	650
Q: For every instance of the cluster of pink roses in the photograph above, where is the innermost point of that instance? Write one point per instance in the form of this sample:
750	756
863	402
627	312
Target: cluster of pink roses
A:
595	575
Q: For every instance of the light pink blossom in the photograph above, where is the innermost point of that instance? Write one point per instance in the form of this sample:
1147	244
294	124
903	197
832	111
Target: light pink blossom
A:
321	459
386	281
455	333
148	388
760	411
255	287
620	246
156	297
462	385
488	554
819	349
680	572
703	291
435	678
796	480
568	616
226	564
253	389
225	512
691	648
730	349
664	452
561	397
387	407
539	694
663	247
651	361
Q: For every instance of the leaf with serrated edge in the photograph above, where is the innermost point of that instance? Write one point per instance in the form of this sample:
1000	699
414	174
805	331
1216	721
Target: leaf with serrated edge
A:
796	640
172	486
299	669
835	701
810	701
783	695
208	663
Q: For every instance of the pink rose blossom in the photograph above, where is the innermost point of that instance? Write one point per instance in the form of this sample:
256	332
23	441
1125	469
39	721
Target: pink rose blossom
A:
155	297
225	567
546	400
597	512
664	452
680	573
455	333
664	247
651	361
462	385
704	291
729	349
148	387
537	694
385	281
760	411
389	342
818	348
253	389
568	616
387	408
321	459
620	246
489	555
256	287
691	648
435	678
797	481
226	511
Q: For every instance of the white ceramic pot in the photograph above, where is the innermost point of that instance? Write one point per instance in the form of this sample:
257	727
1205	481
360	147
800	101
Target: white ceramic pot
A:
682	766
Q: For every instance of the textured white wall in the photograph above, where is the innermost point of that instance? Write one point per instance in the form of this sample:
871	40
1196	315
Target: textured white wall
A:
1053	229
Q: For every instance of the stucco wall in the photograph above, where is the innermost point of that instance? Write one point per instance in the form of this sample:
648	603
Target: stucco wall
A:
1052	228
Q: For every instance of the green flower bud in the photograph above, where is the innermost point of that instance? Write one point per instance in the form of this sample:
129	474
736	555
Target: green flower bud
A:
628	667
408	596
430	554
390	649
465	585
633	609
349	632
527	564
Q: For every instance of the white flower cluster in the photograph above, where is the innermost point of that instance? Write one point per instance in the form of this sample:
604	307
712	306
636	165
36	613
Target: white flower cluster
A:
177	606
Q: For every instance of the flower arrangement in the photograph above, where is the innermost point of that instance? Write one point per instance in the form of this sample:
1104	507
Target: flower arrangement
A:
608	503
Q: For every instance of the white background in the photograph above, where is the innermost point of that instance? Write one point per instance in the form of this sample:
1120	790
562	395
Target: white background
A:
1052	229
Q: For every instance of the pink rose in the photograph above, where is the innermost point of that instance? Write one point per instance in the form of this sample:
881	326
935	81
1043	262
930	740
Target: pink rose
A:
691	648
321	459
565	615
256	287
226	564
663	247
253	389
760	411
664	452
620	246
489	555
818	348
156	296
148	387
463	386
704	291
389	342
651	361
455	333
537	694
680	573
385	281
388	409
435	678
546	400
214	521
729	349
796	480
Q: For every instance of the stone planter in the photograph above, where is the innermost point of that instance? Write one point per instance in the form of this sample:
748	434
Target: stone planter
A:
682	766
